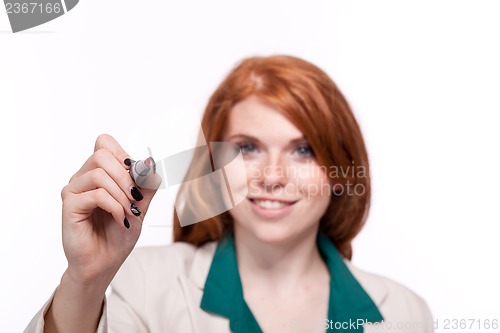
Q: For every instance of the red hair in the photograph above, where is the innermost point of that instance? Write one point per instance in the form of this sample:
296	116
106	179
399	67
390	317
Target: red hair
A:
309	98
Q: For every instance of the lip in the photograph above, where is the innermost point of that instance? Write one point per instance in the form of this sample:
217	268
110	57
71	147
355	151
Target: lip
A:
286	201
271	213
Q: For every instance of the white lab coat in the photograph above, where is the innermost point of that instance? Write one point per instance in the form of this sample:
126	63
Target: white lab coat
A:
159	290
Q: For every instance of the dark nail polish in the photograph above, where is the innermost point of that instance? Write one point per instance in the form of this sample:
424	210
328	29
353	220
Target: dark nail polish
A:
127	162
135	210
136	194
125	222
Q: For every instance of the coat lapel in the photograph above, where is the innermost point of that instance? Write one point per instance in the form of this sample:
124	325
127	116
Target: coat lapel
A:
214	293
349	304
192	285
223	293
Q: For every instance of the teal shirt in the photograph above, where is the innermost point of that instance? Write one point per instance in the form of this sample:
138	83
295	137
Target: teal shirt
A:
348	303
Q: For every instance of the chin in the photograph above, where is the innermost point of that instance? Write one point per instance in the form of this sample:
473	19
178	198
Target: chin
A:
272	236
270	233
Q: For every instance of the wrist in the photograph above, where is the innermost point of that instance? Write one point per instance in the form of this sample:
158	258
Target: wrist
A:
86	286
76	307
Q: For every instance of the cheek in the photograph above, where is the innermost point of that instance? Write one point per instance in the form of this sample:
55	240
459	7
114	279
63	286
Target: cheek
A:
312	182
253	176
252	169
235	176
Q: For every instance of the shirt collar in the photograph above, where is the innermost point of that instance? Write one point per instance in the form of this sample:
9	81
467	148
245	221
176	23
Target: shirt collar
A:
223	292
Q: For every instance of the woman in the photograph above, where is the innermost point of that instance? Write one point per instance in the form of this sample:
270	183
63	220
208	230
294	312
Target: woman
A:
277	262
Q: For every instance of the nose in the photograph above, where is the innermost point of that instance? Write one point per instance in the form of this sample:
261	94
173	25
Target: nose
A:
273	172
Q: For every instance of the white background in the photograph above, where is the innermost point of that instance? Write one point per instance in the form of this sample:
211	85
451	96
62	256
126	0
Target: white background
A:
423	78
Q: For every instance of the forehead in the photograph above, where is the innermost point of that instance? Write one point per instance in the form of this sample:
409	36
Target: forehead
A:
255	117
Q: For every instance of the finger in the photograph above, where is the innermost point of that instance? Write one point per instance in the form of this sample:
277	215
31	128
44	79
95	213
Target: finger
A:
106	141
105	160
98	178
82	205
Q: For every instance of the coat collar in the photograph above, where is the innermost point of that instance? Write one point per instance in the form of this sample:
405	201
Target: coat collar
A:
217	274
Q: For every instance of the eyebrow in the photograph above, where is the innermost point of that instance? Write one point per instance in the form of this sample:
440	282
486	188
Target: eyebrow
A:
250	137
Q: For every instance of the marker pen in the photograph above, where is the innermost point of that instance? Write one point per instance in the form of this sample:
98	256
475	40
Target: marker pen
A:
143	172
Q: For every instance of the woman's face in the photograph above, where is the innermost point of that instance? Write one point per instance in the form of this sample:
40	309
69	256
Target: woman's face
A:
288	192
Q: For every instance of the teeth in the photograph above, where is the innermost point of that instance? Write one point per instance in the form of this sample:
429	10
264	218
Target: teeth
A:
268	204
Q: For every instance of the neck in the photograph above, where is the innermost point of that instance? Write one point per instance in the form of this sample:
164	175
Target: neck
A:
278	266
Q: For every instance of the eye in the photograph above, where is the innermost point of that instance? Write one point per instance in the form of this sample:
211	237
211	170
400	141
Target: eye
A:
247	147
305	151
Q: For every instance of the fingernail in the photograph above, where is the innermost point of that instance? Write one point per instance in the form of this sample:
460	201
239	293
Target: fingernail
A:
127	161
135	210
136	194
125	222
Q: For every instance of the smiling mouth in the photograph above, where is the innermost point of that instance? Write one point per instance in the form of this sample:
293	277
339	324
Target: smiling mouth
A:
271	204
